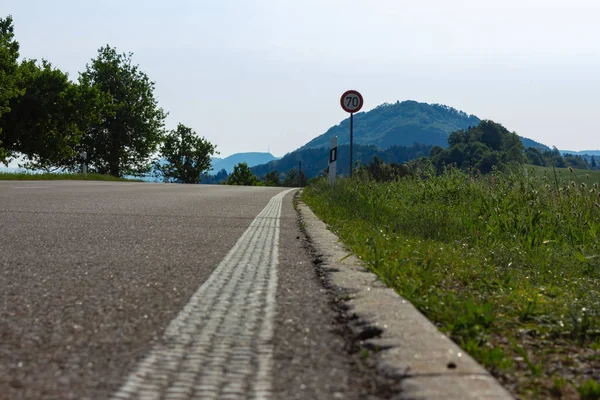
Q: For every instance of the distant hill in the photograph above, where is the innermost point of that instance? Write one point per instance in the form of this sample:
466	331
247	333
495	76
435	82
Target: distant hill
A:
581	153
532	143
251	159
402	124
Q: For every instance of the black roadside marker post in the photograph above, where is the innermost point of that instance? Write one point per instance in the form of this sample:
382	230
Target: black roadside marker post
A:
351	101
333	160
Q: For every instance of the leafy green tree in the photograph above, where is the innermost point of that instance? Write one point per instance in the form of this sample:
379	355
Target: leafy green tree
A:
593	164
186	154
242	175
291	178
272	178
457	137
491	135
9	54
511	149
132	124
482	147
554	157
436	151
534	156
46	122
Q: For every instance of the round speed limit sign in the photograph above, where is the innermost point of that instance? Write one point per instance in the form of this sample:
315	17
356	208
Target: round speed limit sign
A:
351	101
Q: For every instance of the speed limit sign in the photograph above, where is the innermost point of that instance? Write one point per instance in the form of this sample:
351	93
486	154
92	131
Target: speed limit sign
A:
351	101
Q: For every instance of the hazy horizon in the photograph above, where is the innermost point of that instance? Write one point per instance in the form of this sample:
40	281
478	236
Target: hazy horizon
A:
254	76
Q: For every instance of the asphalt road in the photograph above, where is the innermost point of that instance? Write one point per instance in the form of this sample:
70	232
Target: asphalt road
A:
137	290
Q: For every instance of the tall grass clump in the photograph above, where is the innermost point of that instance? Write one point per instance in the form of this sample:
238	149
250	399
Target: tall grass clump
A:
507	264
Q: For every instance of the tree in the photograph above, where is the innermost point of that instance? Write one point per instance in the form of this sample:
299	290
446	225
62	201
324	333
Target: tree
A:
46	122
272	178
9	54
482	147
291	178
534	156
242	175
593	164
491	134
187	155
457	137
132	124
556	158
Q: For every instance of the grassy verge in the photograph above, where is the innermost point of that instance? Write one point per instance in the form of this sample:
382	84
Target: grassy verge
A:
507	265
23	176
567	175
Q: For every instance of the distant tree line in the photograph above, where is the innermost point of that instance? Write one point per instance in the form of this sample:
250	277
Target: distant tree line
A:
243	175
477	149
549	158
297	168
489	145
110	114
315	161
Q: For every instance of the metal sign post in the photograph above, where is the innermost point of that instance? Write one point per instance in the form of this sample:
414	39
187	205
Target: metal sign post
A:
351	101
351	141
333	160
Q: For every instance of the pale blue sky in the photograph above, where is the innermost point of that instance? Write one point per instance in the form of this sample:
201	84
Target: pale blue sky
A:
252	74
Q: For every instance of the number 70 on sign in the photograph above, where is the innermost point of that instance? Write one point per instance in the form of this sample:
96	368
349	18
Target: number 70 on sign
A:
351	101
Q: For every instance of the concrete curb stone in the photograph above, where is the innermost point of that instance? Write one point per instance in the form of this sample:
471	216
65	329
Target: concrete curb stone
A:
408	347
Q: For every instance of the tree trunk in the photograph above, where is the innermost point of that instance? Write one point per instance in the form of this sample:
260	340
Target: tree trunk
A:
115	155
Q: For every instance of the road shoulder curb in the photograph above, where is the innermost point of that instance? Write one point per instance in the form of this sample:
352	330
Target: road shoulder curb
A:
401	342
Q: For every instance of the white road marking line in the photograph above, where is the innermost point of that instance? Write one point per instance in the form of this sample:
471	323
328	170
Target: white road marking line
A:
31	187
220	344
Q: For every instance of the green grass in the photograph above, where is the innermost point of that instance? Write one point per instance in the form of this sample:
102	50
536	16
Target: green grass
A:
578	175
22	176
508	265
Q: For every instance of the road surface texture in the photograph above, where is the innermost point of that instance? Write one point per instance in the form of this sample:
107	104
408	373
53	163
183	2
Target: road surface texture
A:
154	291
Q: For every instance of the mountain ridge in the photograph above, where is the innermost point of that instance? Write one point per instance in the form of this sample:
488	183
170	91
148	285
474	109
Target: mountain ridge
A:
401	123
581	152
250	158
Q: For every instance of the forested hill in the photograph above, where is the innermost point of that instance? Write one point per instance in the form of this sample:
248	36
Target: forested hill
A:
399	124
402	124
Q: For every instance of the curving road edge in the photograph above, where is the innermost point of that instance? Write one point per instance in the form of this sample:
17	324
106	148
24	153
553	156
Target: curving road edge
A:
401	342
